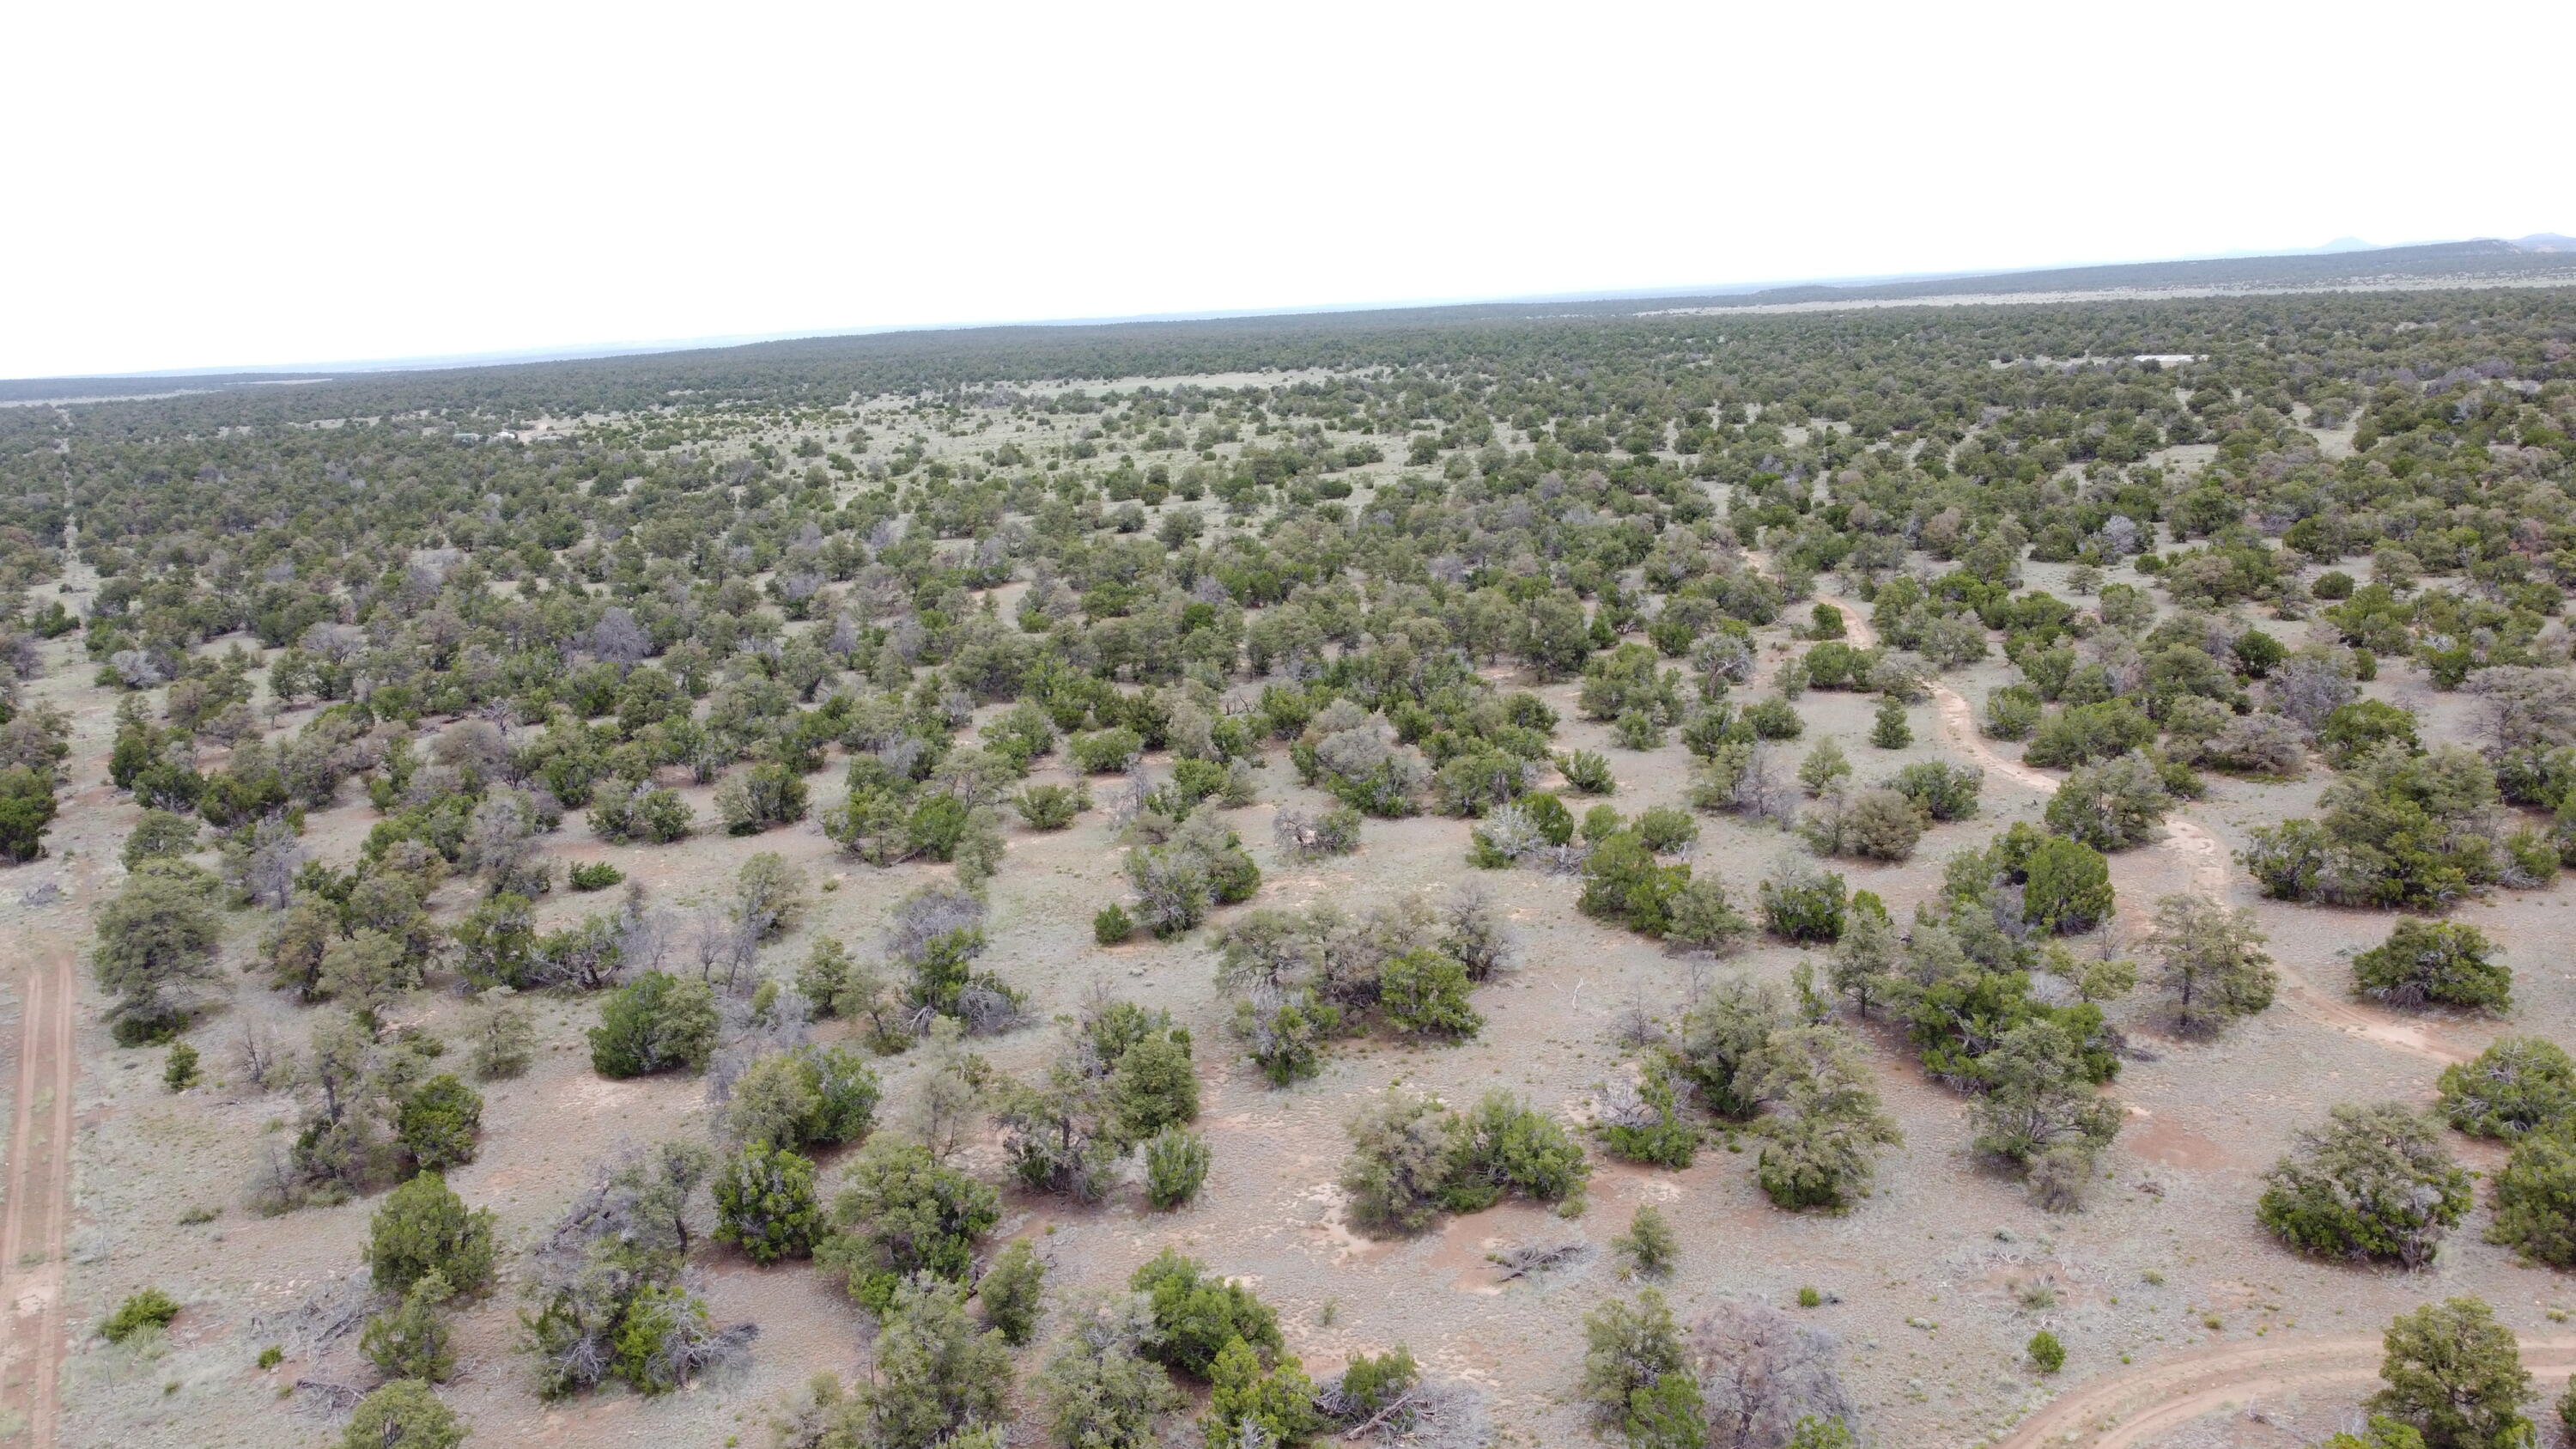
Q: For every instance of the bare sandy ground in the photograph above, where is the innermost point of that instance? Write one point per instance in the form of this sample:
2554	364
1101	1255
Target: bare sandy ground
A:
2146	1406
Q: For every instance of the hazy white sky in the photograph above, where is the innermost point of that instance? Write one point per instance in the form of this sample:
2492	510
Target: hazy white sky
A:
240	184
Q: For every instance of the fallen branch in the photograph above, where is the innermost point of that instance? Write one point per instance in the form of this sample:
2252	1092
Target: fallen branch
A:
336	1398
1520	1262
1382	1415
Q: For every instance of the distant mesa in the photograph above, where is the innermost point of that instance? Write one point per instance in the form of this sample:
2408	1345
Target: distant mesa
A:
2545	259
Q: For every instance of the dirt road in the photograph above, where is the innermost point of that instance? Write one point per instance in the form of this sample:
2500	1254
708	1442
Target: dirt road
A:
1957	720
35	1234
2186	838
2125	1410
2131	1409
45	942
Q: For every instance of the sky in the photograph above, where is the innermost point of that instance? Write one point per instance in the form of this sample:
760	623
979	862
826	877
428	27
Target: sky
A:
208	185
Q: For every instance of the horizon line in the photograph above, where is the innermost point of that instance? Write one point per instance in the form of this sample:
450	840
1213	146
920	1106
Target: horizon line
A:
645	347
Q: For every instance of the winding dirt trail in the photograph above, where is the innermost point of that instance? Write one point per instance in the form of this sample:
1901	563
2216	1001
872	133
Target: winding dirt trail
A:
2380	1029
2122	1411
2125	1410
35	1220
1957	720
35	1234
2199	848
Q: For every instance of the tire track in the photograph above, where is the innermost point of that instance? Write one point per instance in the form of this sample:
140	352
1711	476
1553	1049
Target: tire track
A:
35	1234
2122	1411
35	1219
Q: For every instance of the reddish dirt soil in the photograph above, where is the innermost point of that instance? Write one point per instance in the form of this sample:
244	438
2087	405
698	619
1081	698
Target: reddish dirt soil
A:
33	1236
2121	1411
2196	846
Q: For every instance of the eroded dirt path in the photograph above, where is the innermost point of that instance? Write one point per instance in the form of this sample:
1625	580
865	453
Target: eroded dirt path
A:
2376	1027
1957	720
2209	876
2197	847
43	944
35	1234
2124	1410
